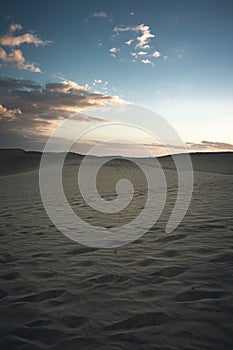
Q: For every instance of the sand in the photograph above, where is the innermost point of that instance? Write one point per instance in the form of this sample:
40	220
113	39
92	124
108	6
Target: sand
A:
164	291
14	161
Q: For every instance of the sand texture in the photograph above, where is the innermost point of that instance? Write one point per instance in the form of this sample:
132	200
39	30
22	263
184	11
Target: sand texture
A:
163	291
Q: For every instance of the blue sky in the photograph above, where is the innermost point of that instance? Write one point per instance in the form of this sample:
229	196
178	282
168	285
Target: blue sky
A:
189	82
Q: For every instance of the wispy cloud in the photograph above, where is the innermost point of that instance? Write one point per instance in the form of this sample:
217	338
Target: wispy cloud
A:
114	50
101	14
142	53
100	86
10	40
14	57
203	146
156	54
129	42
210	146
97	81
142	43
143	38
14	27
130	149
147	61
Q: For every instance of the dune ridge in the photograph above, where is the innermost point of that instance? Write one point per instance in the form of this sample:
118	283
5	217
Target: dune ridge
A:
14	161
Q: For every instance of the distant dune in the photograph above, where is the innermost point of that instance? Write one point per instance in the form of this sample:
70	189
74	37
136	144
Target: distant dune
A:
214	162
13	161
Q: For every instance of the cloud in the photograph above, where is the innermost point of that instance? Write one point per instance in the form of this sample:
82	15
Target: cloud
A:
146	61
28	108
96	82
10	114
29	111
14	27
131	149
15	57
143	39
68	87
210	145
114	50
142	43
145	36
100	14
129	42
142	53
27	38
8	84
204	146
156	54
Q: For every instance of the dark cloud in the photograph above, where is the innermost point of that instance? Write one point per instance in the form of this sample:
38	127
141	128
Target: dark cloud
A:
30	111
210	145
12	84
28	108
157	149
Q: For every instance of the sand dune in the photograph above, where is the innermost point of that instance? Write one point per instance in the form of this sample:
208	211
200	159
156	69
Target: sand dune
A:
14	161
216	162
163	291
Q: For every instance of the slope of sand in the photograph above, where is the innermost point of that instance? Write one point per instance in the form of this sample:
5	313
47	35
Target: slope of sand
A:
218	162
164	291
14	161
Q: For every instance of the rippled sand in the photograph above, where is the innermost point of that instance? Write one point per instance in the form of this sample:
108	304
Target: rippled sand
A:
164	291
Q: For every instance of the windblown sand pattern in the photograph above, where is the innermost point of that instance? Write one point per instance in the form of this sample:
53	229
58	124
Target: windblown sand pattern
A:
164	291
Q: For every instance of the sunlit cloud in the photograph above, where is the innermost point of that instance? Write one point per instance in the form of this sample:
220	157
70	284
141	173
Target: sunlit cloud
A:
156	54
97	81
210	146
157	149
66	86
143	38
129	42
32	107
14	27
142	43
142	53
146	61
114	50
27	38
9	114
14	57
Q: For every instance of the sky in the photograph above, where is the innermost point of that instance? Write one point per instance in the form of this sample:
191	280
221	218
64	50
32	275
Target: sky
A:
64	57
